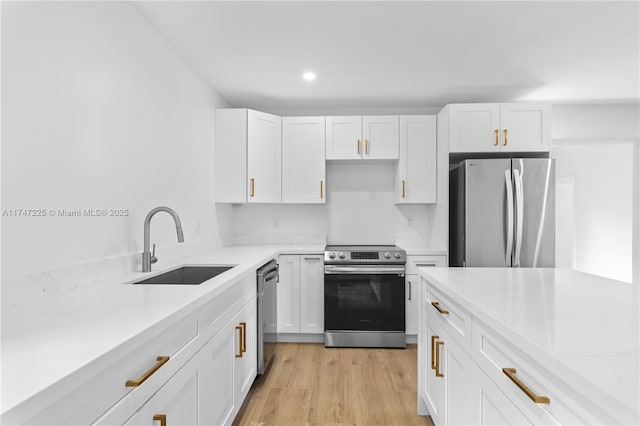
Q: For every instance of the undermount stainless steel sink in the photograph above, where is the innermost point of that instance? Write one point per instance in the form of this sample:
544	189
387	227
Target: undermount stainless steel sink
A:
186	275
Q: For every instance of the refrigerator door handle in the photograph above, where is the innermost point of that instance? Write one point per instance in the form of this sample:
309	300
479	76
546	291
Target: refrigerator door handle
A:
507	181
519	214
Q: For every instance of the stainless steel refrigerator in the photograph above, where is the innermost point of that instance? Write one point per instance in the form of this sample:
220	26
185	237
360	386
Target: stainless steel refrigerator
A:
502	213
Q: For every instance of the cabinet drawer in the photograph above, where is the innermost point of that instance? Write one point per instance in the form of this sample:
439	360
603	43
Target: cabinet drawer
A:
453	319
177	342
415	262
493	353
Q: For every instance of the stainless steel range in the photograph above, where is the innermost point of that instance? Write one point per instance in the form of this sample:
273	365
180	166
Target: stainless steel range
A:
364	303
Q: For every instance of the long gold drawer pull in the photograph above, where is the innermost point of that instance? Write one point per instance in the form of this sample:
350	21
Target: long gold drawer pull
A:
358	148
162	360
253	187
506	137
321	189
240	352
404	188
511	374
433	351
497	137
244	336
162	418
438	373
439	309
366	146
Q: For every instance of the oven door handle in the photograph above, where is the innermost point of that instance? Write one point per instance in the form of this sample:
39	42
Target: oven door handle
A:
364	269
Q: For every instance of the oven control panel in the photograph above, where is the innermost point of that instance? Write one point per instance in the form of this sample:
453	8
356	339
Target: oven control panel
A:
364	255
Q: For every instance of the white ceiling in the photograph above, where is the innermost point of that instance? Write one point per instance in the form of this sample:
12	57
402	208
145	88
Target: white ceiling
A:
407	54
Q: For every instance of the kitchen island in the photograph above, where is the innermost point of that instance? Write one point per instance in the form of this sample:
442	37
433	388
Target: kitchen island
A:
536	346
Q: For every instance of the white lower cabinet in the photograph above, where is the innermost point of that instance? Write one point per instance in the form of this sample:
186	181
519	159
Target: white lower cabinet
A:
414	288
301	294
495	408
180	401
207	385
450	394
232	366
412	305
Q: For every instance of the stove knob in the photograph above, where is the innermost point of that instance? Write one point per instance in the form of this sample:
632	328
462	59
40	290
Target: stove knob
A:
396	255
332	255
387	255
341	255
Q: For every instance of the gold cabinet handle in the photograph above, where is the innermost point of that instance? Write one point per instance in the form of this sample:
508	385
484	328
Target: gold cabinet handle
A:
239	354
497	137
404	188
162	360
358	148
438	373
433	351
366	146
321	190
162	418
506	137
439	309
511	374
244	336
253	187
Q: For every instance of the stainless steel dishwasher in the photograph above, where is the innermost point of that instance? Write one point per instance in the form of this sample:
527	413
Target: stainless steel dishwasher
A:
267	313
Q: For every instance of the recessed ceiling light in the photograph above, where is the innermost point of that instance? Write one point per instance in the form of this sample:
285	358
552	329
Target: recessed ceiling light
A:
309	76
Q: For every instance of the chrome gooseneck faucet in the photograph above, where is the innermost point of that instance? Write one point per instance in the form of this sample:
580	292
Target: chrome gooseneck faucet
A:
147	257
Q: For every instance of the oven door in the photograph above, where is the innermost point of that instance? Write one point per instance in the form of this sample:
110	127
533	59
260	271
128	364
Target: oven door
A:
364	298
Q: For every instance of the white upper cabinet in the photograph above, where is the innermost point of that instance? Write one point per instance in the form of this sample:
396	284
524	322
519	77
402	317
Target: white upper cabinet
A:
344	138
230	156
474	127
416	172
492	127
525	127
303	162
264	157
248	155
356	137
380	134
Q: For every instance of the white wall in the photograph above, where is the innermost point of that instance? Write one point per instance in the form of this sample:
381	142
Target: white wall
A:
99	112
595	147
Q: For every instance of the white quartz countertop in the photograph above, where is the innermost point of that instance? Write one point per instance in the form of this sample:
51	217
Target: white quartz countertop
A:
582	328
417	250
52	337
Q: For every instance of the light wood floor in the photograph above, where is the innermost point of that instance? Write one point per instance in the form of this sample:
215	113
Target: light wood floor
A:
310	384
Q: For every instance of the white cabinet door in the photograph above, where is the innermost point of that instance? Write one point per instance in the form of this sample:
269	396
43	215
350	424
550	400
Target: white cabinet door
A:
312	294
380	134
525	127
180	401
413	304
416	177
344	138
495	408
230	155
474	128
461	387
289	294
435	389
303	160
264	157
245	367
219	354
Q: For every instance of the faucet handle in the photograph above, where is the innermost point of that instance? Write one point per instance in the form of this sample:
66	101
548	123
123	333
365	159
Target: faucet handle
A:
154	259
